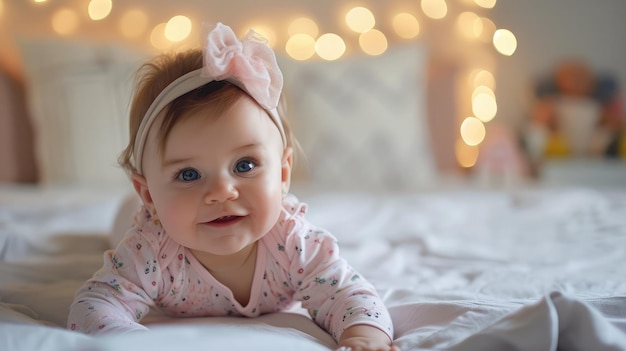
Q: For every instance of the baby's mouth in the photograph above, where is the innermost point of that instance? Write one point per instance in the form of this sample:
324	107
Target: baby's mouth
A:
225	219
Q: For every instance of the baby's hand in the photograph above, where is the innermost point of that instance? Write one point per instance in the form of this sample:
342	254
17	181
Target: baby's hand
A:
365	338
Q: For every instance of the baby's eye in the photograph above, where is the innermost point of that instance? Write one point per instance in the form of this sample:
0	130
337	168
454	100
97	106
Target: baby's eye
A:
188	175
244	166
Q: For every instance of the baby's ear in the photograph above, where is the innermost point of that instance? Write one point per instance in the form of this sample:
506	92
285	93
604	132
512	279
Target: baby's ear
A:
286	164
141	188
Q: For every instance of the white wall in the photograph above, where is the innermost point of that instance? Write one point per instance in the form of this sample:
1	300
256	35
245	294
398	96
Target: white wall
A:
548	30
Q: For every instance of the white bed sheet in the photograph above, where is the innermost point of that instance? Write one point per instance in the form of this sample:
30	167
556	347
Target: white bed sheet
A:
517	269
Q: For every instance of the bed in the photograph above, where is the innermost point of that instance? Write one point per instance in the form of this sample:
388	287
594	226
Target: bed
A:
460	265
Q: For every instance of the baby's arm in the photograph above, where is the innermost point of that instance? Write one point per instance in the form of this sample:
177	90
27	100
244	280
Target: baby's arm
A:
337	296
362	337
117	297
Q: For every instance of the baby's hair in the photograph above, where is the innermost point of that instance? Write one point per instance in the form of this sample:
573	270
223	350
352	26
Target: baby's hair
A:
155	75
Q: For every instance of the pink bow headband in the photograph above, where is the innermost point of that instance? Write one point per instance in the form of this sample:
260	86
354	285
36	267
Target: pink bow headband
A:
249	64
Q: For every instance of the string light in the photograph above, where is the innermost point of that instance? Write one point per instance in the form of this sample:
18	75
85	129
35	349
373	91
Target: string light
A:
330	46
373	42
472	131
469	25
484	78
360	19
406	25
466	155
488	4
505	42
303	25
435	9
177	28
65	21
157	37
99	9
300	46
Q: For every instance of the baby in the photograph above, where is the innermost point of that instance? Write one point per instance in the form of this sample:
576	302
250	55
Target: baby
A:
218	234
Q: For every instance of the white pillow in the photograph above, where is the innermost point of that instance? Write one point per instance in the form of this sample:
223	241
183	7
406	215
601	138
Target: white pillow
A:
361	121
79	95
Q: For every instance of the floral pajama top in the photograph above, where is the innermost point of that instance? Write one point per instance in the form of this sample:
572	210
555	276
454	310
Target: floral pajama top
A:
295	262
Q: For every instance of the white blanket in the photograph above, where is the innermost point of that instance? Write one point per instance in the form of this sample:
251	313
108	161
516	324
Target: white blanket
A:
526	269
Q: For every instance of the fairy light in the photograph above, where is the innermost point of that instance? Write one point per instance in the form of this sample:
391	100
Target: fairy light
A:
157	37
466	155
360	19
469	25
406	25
373	42
435	9
300	46
505	42
99	9
303	25
488	4
330	46
472	131
483	78
65	21
488	29
484	106
177	28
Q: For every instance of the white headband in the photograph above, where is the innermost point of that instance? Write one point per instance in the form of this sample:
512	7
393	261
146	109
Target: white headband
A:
249	64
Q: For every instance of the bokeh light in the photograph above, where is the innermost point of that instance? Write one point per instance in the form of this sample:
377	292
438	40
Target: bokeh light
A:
300	46
488	29
466	155
133	23
157	37
360	19
177	28
99	9
488	4
469	25
406	25
330	46
373	42
483	77
303	25
435	9
484	106
505	42
65	21
472	131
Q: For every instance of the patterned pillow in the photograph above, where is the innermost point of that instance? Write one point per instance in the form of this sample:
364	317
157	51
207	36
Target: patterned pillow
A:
361	121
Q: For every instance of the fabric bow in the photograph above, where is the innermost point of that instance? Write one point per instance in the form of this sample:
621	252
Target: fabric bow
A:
249	62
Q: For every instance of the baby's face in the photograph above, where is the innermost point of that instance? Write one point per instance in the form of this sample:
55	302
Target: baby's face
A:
218	187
